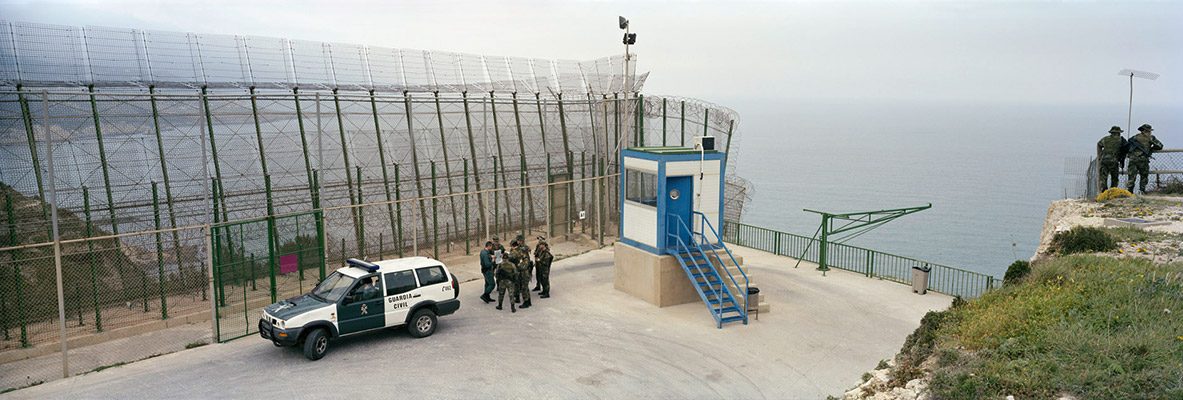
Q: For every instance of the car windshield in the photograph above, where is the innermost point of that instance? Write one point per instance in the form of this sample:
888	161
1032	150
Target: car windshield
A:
333	287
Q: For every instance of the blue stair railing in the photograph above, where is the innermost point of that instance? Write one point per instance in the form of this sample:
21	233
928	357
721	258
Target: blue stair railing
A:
706	223
698	265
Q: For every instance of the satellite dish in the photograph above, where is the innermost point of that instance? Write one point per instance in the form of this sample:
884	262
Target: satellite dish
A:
1133	73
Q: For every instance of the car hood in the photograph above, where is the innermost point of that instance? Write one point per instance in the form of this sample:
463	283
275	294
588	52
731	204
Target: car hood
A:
286	309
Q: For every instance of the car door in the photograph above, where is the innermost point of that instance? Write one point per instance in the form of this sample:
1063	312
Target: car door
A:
361	308
433	283
399	288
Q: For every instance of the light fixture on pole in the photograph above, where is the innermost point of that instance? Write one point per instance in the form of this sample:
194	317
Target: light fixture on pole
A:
1134	73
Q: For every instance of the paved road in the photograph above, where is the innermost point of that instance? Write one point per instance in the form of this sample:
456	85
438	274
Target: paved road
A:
587	341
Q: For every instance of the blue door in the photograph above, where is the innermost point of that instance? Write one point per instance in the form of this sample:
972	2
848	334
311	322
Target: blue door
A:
678	199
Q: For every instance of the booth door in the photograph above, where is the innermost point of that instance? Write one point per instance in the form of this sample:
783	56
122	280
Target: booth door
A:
679	197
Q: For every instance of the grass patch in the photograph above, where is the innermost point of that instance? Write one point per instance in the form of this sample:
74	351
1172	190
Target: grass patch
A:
22	387
195	345
1082	239
1089	326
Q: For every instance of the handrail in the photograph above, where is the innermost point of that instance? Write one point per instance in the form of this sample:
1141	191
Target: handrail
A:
718	295
872	263
746	281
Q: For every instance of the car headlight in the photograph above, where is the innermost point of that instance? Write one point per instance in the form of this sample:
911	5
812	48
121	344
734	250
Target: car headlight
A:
280	324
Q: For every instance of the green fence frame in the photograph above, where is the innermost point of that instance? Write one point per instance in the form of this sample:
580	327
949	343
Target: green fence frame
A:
239	269
871	263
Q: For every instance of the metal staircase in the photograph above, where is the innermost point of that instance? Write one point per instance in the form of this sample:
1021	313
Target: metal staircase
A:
694	252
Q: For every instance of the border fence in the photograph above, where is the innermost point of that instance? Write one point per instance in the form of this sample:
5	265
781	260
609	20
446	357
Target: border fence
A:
153	180
1081	175
871	263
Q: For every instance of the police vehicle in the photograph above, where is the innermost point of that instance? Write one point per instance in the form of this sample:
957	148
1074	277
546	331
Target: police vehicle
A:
360	297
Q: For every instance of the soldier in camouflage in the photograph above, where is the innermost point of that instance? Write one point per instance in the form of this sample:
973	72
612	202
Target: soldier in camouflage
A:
1141	148
538	272
505	282
520	256
1111	152
543	258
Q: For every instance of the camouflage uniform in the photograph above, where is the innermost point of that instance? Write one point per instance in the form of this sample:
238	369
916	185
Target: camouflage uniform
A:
538	272
1140	154
520	256
505	282
1111	151
544	259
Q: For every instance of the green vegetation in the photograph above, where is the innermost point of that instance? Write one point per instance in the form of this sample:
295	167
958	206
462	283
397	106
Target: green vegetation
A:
1171	186
1088	326
1015	272
1082	239
195	345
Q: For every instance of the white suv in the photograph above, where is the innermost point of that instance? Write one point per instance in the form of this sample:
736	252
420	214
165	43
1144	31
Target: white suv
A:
363	296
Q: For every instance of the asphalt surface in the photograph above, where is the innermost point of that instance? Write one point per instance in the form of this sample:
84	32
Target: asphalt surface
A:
586	341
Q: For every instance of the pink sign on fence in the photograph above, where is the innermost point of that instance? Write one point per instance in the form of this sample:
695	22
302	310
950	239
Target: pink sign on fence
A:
288	263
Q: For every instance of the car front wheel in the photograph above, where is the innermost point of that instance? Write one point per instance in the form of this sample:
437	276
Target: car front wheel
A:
422	323
316	344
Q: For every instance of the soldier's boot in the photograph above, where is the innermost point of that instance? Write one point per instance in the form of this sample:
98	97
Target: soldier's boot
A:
485	297
537	288
544	295
512	308
526	304
499	304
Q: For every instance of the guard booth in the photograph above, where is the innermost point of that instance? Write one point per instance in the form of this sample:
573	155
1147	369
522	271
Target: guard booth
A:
670	251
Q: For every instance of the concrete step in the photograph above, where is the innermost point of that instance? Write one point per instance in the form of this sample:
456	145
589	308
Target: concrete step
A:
763	308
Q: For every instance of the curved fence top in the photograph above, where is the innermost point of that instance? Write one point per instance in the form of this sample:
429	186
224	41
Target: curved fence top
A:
43	55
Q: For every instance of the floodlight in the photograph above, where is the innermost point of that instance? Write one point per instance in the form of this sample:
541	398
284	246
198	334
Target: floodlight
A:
1133	73
630	38
1138	74
623	23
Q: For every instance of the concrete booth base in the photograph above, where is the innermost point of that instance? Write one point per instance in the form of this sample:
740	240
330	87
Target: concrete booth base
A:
657	279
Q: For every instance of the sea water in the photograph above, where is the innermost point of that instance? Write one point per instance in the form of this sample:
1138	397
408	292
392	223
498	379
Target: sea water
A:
989	170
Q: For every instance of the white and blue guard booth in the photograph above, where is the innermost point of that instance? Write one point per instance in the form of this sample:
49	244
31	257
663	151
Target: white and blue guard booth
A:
667	186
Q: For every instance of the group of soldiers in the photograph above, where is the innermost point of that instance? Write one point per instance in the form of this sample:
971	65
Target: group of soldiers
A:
1112	151
509	271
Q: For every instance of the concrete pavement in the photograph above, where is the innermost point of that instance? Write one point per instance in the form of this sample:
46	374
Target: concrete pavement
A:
587	341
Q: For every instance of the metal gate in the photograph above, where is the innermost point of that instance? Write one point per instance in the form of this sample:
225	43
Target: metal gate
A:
559	205
261	261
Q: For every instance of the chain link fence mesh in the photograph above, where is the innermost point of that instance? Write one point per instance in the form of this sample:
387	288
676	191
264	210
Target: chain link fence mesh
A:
293	156
1082	178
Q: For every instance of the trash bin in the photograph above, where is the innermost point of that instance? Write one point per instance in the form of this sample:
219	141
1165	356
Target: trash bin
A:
920	278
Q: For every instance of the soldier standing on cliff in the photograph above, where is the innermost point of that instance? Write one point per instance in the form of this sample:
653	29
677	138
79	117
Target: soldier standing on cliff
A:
1111	152
1141	147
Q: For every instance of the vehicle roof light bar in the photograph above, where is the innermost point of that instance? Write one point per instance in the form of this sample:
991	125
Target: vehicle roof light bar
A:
363	264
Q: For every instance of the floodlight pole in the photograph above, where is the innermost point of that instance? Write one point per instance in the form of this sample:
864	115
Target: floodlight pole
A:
1140	74
1130	115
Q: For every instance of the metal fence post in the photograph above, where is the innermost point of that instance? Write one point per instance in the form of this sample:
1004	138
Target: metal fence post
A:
526	197
439	114
435	212
57	243
467	219
382	161
476	172
159	250
94	280
345	156
361	217
398	207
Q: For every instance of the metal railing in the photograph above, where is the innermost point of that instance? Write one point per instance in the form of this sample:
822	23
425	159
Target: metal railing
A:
871	263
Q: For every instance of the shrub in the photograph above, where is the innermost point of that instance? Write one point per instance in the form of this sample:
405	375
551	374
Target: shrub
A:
1016	271
1114	193
1082	239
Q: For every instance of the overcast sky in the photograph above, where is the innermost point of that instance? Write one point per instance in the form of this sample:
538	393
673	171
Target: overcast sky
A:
975	52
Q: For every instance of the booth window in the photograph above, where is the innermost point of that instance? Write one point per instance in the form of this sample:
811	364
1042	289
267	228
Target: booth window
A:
640	187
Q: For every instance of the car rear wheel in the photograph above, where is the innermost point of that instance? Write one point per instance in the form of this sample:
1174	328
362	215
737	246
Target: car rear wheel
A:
316	344
422	323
